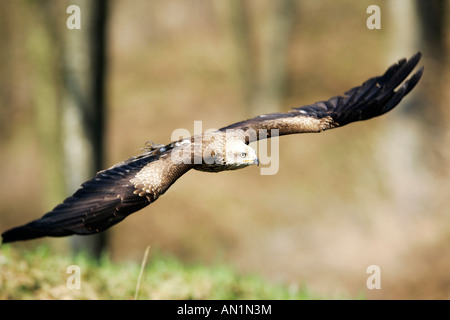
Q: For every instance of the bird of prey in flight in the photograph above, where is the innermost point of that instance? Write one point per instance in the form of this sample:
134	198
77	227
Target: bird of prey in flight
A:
129	186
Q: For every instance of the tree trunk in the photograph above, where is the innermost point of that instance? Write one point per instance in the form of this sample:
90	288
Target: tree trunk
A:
416	137
276	36
233	16
261	77
84	106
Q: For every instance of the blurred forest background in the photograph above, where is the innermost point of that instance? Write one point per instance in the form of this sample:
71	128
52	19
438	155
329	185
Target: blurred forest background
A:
373	192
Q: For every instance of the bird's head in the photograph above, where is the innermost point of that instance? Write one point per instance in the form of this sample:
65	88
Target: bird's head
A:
225	152
239	155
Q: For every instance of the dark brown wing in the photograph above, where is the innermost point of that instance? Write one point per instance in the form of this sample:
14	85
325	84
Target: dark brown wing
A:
107	198
373	98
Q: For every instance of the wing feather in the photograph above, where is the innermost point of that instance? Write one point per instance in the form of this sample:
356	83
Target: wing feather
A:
373	98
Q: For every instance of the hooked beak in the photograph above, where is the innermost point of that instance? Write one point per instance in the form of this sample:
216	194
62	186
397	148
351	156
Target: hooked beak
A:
252	162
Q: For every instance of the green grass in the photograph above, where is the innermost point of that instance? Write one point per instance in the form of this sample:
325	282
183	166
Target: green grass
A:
40	274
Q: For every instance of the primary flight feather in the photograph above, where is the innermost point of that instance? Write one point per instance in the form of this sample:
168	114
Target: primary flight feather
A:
129	186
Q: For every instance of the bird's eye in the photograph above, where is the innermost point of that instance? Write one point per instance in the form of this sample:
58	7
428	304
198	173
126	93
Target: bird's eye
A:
243	154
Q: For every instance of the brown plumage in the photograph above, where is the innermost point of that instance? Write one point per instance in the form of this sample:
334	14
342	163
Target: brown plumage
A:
129	186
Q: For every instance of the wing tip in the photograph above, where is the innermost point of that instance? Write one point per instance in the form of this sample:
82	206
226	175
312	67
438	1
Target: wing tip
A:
20	234
377	100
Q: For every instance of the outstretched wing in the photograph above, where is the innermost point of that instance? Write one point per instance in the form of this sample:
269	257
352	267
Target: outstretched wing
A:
373	98
107	198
